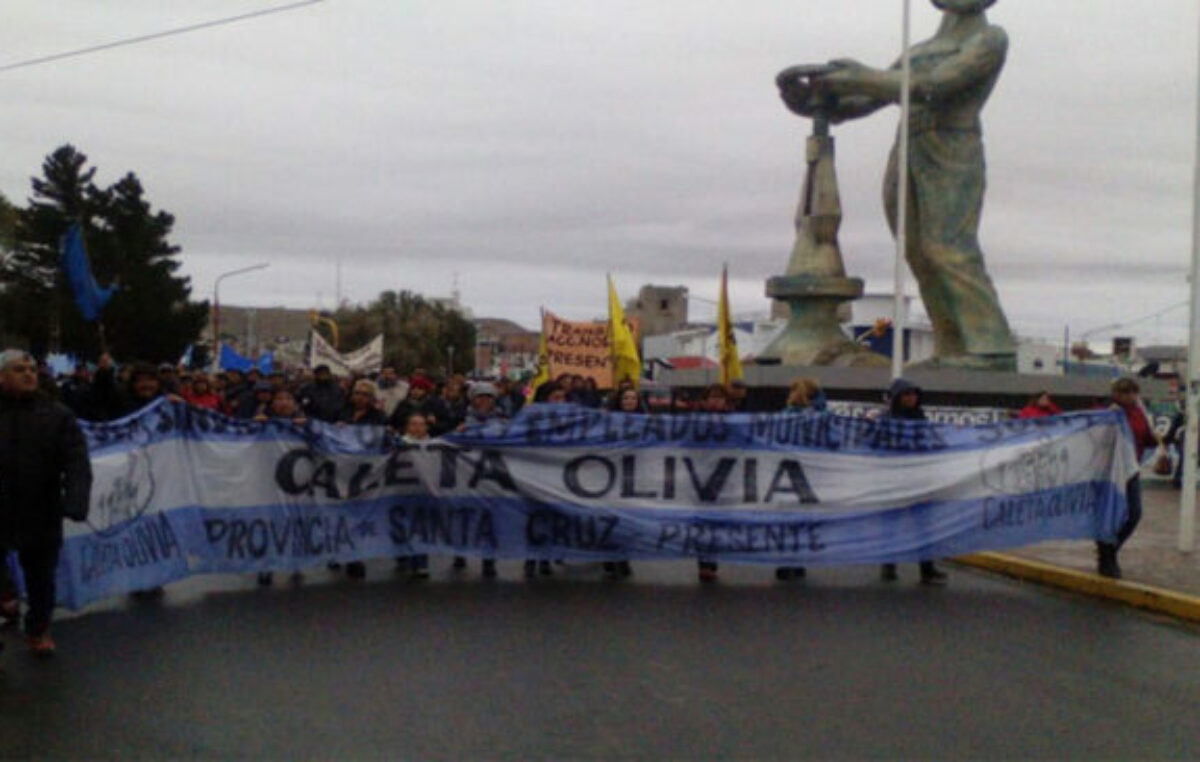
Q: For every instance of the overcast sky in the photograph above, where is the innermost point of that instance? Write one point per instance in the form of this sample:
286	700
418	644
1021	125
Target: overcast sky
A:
530	146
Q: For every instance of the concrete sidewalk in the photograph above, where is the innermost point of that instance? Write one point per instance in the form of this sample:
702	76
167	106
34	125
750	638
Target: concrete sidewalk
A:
1156	575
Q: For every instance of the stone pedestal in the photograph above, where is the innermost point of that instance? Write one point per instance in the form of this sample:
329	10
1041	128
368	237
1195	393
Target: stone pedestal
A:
815	284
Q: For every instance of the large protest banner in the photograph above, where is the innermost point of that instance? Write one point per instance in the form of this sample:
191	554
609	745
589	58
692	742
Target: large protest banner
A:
365	360
180	491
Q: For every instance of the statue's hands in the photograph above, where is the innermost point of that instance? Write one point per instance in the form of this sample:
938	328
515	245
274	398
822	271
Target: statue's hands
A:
796	90
847	76
798	97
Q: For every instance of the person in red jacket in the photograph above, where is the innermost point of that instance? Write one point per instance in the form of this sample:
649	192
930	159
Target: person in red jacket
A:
1040	406
1125	393
201	393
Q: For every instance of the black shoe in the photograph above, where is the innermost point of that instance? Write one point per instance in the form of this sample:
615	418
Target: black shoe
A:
887	573
799	572
459	564
624	569
489	568
333	566
708	571
356	570
783	573
931	575
530	569
1107	565
264	579
610	569
544	569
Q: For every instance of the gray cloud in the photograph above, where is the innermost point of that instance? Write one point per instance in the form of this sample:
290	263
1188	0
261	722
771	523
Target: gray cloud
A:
531	146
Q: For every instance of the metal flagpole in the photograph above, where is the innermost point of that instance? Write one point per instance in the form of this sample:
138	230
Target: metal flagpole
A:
901	202
1187	500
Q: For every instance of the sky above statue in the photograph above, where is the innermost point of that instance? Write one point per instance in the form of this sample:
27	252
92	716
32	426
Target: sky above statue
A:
531	146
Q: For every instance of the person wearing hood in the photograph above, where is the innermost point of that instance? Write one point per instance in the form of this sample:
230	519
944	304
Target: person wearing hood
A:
323	398
904	403
47	477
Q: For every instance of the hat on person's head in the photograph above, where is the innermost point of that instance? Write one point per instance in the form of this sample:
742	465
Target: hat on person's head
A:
264	386
166	367
322	369
422	383
483	388
10	356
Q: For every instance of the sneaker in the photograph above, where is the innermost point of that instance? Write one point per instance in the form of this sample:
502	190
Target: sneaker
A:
624	569
530	568
708	571
544	569
489	568
887	573
783	573
610	569
420	572
459	564
356	570
333	566
264	579
41	646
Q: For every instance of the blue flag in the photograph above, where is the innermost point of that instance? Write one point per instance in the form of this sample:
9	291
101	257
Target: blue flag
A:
89	297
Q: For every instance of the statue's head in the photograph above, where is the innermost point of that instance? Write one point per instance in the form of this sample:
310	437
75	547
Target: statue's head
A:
964	6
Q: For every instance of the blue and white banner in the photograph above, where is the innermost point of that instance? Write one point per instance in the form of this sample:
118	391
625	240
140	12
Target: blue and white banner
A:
181	491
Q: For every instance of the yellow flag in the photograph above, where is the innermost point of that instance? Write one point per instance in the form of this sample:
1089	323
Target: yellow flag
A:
626	364
543	364
731	363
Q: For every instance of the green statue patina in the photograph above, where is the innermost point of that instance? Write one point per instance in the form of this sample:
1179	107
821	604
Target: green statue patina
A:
953	73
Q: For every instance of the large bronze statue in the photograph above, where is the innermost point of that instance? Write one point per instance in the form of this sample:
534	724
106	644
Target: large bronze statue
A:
952	76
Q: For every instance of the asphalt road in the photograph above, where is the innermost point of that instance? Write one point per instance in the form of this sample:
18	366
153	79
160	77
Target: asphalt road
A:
840	666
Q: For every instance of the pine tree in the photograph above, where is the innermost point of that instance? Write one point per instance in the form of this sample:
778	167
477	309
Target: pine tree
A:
149	318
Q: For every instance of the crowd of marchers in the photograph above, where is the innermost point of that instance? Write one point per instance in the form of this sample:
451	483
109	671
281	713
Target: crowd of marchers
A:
38	414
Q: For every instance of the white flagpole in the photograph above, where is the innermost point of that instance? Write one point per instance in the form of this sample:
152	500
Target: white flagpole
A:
901	202
1187	500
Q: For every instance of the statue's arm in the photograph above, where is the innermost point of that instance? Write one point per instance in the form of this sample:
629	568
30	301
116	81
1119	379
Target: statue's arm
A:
979	58
855	107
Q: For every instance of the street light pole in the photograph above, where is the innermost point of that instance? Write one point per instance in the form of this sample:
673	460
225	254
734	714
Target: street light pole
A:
1187	500
216	343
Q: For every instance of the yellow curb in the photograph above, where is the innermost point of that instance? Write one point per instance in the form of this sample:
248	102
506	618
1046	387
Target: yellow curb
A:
1135	594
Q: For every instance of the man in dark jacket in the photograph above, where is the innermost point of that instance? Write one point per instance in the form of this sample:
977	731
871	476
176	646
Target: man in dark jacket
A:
45	475
904	403
323	398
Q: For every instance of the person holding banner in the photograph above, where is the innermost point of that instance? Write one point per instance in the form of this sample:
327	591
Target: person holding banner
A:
715	400
904	403
45	476
483	411
1125	398
364	405
416	430
629	401
804	395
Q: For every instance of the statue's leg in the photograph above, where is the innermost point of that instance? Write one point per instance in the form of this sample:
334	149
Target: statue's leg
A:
948	174
947	340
